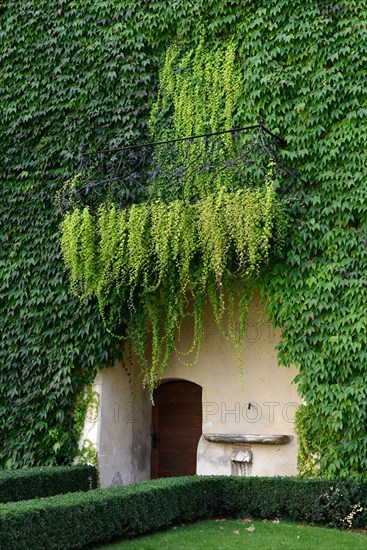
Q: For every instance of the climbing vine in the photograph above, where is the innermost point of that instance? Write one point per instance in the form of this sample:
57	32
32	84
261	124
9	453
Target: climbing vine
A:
85	73
309	444
86	409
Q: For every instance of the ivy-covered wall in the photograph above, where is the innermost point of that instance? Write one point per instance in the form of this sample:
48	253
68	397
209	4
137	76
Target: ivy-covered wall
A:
82	73
72	74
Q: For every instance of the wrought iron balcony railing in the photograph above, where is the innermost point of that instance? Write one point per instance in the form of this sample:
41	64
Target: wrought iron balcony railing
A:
179	168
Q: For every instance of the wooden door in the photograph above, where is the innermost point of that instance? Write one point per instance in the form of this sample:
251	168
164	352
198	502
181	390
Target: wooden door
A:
176	429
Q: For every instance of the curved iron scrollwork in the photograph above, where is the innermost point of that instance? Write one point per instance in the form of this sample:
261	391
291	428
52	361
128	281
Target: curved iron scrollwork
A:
178	168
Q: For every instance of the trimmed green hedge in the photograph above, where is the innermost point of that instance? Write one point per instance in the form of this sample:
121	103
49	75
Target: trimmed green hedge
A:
335	503
78	519
31	483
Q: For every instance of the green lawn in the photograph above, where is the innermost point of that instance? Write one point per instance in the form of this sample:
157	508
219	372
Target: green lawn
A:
253	535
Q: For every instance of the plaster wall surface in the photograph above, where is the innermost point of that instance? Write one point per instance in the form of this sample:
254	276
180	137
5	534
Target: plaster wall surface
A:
124	442
261	401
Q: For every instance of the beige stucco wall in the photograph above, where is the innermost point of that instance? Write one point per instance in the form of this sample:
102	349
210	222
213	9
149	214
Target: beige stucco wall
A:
263	401
124	440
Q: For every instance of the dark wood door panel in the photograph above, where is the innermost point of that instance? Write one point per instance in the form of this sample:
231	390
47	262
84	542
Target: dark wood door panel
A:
177	425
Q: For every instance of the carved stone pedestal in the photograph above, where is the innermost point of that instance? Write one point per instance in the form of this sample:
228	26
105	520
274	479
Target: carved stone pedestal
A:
241	460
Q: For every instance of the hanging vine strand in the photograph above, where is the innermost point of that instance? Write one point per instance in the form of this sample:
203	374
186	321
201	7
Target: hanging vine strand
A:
143	263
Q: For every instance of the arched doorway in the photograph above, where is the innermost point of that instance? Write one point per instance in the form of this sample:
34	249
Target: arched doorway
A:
176	429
